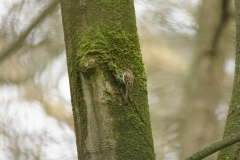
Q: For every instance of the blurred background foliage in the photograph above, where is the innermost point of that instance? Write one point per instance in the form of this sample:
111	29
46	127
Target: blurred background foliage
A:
188	50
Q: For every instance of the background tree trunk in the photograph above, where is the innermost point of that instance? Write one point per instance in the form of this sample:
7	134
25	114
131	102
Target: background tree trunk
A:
101	41
200	126
233	120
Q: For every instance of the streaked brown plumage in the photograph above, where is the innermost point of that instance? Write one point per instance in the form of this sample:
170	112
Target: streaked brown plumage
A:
128	79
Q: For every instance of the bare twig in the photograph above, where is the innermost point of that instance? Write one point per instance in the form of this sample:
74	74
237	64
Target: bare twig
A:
19	42
230	140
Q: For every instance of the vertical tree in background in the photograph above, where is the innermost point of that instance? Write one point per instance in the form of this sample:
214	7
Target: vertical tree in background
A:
233	120
101	42
200	125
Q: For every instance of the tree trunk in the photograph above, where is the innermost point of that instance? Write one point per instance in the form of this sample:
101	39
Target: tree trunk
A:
233	120
101	42
200	125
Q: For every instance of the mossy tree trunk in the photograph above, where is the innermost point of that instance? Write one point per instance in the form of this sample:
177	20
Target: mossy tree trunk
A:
101	41
233	118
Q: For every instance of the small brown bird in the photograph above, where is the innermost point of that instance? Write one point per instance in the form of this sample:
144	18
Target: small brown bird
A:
128	79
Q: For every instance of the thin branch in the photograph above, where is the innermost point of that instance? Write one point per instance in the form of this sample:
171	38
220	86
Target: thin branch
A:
230	140
19	42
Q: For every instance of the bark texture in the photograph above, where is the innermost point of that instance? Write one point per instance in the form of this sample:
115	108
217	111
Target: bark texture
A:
233	120
200	125
101	41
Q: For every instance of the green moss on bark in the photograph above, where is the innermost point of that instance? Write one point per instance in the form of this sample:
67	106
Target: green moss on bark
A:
109	50
108	41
